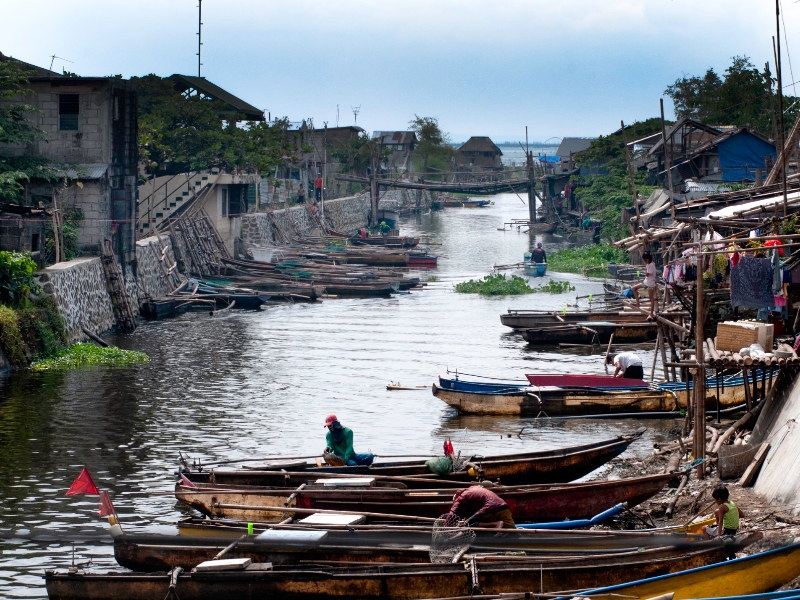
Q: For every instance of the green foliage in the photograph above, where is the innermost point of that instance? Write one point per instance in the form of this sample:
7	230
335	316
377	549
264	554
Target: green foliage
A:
433	278
36	330
70	230
83	355
177	132
355	155
11	337
499	285
434	149
743	96
16	276
583	258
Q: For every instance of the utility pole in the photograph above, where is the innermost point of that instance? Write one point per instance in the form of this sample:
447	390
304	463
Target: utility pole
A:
199	35
667	160
780	108
373	189
630	174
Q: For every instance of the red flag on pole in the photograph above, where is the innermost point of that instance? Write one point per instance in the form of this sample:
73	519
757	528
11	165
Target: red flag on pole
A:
106	508
83	485
186	481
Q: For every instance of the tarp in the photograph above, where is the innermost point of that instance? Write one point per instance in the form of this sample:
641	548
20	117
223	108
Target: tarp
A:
741	154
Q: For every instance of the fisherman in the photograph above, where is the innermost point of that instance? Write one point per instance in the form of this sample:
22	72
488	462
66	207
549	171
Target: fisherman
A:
538	255
727	514
649	284
628	365
318	188
301	194
384	229
482	508
340	443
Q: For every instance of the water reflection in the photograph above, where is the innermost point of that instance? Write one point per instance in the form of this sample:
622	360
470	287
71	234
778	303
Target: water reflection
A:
249	383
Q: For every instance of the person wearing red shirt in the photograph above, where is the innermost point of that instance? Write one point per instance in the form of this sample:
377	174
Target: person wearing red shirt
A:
482	508
318	188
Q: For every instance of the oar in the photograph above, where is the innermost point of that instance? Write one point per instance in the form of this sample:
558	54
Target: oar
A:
228	548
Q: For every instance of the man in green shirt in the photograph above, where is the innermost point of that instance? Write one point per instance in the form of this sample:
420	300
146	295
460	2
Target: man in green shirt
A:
340	441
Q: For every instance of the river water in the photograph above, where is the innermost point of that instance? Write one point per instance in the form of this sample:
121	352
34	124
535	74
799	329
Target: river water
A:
261	384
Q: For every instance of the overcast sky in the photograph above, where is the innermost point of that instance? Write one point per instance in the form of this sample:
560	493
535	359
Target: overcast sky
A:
561	67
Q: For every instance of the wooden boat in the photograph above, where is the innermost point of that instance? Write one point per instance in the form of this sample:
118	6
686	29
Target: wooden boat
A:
318	581
527	503
281	546
579	380
754	574
517	399
422	259
372	259
549	466
474	203
529	319
394	241
591	332
541	227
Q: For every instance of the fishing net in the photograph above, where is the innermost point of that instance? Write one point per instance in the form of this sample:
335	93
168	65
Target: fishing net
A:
448	539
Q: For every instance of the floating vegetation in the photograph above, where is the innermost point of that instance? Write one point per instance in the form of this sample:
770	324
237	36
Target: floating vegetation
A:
499	285
432	278
591	259
84	355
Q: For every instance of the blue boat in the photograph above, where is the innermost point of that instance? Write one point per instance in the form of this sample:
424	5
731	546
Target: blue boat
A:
533	269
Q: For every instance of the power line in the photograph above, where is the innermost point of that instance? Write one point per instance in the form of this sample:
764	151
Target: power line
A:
789	56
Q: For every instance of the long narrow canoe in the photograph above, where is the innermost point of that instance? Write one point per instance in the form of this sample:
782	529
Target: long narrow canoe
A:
754	574
591	332
383	581
544	503
549	466
518	399
154	552
528	319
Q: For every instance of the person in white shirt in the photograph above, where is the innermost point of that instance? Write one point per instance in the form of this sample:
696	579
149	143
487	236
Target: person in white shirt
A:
649	284
628	365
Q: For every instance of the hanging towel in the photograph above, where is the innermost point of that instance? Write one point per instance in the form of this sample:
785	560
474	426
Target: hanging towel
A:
777	274
751	283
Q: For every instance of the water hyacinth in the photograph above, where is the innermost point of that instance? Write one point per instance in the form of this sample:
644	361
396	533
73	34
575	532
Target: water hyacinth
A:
499	285
84	355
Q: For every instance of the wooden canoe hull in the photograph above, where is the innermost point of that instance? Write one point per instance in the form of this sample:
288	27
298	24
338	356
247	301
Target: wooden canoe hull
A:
387	582
541	504
528	319
551	466
752	574
596	334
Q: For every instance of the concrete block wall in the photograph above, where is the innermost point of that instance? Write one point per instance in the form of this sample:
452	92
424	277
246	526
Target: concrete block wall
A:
80	289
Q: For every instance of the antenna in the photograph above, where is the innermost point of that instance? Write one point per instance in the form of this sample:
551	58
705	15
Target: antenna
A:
337	115
199	35
54	57
356	110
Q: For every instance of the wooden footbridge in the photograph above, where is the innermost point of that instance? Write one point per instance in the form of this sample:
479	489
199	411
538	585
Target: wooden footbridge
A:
474	188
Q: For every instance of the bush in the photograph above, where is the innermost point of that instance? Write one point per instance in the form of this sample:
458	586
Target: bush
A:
584	258
82	355
16	277
499	285
34	331
11	337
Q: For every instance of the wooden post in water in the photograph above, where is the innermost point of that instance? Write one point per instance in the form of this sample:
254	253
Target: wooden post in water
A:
531	189
373	191
699	450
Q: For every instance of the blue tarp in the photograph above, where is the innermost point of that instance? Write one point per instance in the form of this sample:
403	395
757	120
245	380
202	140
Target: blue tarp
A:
741	154
549	159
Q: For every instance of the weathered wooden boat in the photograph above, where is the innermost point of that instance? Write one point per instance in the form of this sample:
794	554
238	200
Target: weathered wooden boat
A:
662	399
382	290
392	241
372	259
566	540
489	575
527	503
282	546
754	574
581	380
542	227
422	260
163	308
549	466
591	332
475	203
528	319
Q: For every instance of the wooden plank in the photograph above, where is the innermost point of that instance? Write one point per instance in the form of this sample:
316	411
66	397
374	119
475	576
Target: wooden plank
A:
750	473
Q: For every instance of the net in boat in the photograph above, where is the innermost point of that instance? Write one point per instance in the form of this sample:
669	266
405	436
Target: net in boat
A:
448	539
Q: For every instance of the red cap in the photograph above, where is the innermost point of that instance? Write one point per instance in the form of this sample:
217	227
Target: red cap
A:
329	420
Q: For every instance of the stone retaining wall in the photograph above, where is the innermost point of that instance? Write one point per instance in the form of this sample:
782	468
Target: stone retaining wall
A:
152	278
80	289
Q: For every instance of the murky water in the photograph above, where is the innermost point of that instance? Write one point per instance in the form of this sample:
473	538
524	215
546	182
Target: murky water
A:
261	384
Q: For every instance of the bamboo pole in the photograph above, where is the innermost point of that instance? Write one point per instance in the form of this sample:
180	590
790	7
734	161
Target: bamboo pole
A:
700	380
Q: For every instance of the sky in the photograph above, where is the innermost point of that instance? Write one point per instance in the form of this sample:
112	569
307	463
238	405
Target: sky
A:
559	67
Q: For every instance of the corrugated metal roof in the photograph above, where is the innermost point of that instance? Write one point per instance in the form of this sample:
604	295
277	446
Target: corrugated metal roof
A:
201	84
573	144
83	171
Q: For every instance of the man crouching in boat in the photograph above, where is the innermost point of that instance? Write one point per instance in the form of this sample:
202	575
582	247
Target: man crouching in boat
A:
482	508
340	444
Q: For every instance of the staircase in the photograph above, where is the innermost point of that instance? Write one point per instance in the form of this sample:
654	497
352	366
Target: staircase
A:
165	197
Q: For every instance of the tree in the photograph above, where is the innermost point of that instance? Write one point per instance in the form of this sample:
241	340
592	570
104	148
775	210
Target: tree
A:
434	145
355	155
744	97
17	128
179	133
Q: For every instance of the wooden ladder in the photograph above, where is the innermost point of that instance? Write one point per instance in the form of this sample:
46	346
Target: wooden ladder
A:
123	311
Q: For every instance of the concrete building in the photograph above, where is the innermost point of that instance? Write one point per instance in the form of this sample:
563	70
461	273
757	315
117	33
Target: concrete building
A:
402	144
91	141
